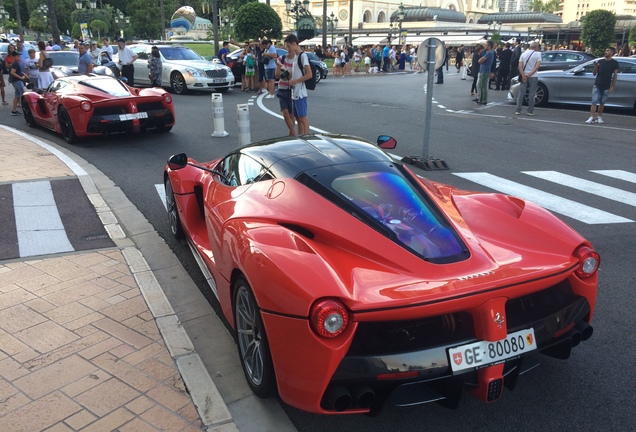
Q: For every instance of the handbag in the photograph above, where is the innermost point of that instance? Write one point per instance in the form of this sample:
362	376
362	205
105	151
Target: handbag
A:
266	60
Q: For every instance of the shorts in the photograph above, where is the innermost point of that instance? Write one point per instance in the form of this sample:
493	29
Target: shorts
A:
300	107
599	97
19	88
270	74
284	99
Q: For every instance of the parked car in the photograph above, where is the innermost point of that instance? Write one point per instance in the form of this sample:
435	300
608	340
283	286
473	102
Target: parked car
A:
574	86
183	69
4	48
237	68
351	281
81	106
69	60
563	59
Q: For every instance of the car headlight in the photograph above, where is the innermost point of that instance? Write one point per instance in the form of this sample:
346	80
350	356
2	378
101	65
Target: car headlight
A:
195	72
514	81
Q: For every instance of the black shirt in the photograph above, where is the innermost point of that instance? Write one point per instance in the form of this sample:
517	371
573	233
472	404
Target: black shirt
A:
604	75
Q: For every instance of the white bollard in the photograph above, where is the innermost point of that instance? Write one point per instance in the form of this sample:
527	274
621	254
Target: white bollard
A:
219	120
243	118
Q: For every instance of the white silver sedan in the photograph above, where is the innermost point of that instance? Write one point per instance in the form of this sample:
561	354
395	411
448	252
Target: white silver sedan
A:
574	86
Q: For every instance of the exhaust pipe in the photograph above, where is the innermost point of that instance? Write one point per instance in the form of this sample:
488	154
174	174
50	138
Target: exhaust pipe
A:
339	398
585	329
363	396
575	336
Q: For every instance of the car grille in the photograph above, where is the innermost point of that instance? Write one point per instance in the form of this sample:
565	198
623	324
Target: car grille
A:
216	73
152	106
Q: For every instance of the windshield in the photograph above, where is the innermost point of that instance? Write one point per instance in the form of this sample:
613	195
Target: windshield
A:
67	58
108	85
179	53
390	200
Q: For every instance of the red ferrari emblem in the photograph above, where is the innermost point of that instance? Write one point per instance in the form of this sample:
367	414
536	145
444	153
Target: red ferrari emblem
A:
529	338
457	358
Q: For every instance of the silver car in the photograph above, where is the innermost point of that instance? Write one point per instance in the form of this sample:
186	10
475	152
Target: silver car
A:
574	86
183	69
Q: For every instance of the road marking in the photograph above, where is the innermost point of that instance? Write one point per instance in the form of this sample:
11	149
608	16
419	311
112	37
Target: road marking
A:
38	223
617	174
555	203
591	187
162	194
262	106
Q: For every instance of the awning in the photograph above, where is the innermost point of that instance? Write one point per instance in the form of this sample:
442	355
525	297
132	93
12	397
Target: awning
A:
370	40
318	41
449	40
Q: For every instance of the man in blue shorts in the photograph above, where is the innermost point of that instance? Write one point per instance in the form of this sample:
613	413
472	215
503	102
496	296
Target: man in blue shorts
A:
269	59
606	71
297	82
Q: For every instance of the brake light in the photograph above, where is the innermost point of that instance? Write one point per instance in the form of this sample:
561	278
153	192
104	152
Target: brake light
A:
328	318
167	98
86	106
589	261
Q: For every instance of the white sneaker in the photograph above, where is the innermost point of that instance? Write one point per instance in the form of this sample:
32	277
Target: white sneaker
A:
590	120
264	91
600	120
269	96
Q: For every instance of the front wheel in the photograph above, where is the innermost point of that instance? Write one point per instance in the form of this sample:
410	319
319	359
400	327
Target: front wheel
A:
178	84
318	77
66	125
173	212
541	98
253	347
28	114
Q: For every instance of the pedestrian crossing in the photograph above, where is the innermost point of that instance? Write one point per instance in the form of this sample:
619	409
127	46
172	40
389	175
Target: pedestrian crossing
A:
560	204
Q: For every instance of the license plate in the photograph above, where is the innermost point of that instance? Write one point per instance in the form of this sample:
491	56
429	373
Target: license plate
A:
218	80
132	116
484	353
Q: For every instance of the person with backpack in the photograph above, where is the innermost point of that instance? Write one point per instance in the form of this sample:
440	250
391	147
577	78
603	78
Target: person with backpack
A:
250	70
297	82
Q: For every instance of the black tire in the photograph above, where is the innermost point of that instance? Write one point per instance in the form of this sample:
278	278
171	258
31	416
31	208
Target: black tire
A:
178	84
318	77
28	114
253	348
173	212
66	124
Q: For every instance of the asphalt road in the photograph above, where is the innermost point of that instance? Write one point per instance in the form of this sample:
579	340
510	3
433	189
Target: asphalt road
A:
578	170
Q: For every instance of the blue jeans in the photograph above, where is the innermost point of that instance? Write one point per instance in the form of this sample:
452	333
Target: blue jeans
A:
532	83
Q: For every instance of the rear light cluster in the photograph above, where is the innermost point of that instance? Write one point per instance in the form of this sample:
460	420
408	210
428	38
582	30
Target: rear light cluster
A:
86	106
328	318
589	260
167	98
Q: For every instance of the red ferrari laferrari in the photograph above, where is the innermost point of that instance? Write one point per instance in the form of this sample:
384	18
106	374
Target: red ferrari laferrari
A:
351	282
83	106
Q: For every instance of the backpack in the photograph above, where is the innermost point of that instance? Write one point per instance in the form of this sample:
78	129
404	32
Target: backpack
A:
311	82
346	58
47	63
249	61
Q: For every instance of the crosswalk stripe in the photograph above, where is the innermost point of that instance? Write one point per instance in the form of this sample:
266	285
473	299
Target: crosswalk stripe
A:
162	194
38	223
617	174
555	203
591	187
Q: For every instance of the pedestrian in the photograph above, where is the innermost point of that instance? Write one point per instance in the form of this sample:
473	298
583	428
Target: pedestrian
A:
343	62
357	56
528	66
503	72
46	77
126	59
76	45
337	63
367	60
85	61
474	69
283	93
32	69
269	59
439	72
385	58
459	60
155	67
95	50
412	58
493	66
107	47
297	82
17	78
606	71
250	70
514	61
487	57
223	52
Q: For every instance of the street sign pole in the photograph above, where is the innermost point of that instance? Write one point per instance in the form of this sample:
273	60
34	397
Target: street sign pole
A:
430	71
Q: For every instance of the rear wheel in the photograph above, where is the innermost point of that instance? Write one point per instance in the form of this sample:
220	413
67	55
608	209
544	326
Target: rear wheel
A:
178	84
253	348
66	124
541	98
173	212
28	114
318	76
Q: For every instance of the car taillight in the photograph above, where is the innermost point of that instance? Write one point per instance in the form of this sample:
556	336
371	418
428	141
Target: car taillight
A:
167	98
328	318
86	106
589	260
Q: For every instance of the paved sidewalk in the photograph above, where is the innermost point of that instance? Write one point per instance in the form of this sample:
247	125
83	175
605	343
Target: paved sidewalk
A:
88	339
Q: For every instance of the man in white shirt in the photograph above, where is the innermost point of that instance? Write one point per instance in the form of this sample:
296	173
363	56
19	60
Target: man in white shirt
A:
297	82
107	48
126	59
528	66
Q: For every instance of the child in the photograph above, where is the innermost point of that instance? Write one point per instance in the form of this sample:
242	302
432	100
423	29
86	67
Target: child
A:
250	70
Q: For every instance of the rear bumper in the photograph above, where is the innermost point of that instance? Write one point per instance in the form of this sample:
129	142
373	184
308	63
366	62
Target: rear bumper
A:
119	123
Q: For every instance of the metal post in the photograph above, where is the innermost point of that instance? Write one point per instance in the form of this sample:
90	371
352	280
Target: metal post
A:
243	119
430	69
219	120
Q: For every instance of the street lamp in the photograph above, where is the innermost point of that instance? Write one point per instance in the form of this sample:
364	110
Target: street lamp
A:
120	20
333	25
400	20
298	8
390	32
43	11
79	4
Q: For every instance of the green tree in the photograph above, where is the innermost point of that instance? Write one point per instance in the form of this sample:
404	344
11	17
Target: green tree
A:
598	30
145	18
536	5
254	20
99	27
551	6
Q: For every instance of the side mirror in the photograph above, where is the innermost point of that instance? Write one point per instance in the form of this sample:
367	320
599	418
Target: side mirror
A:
178	161
386	142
